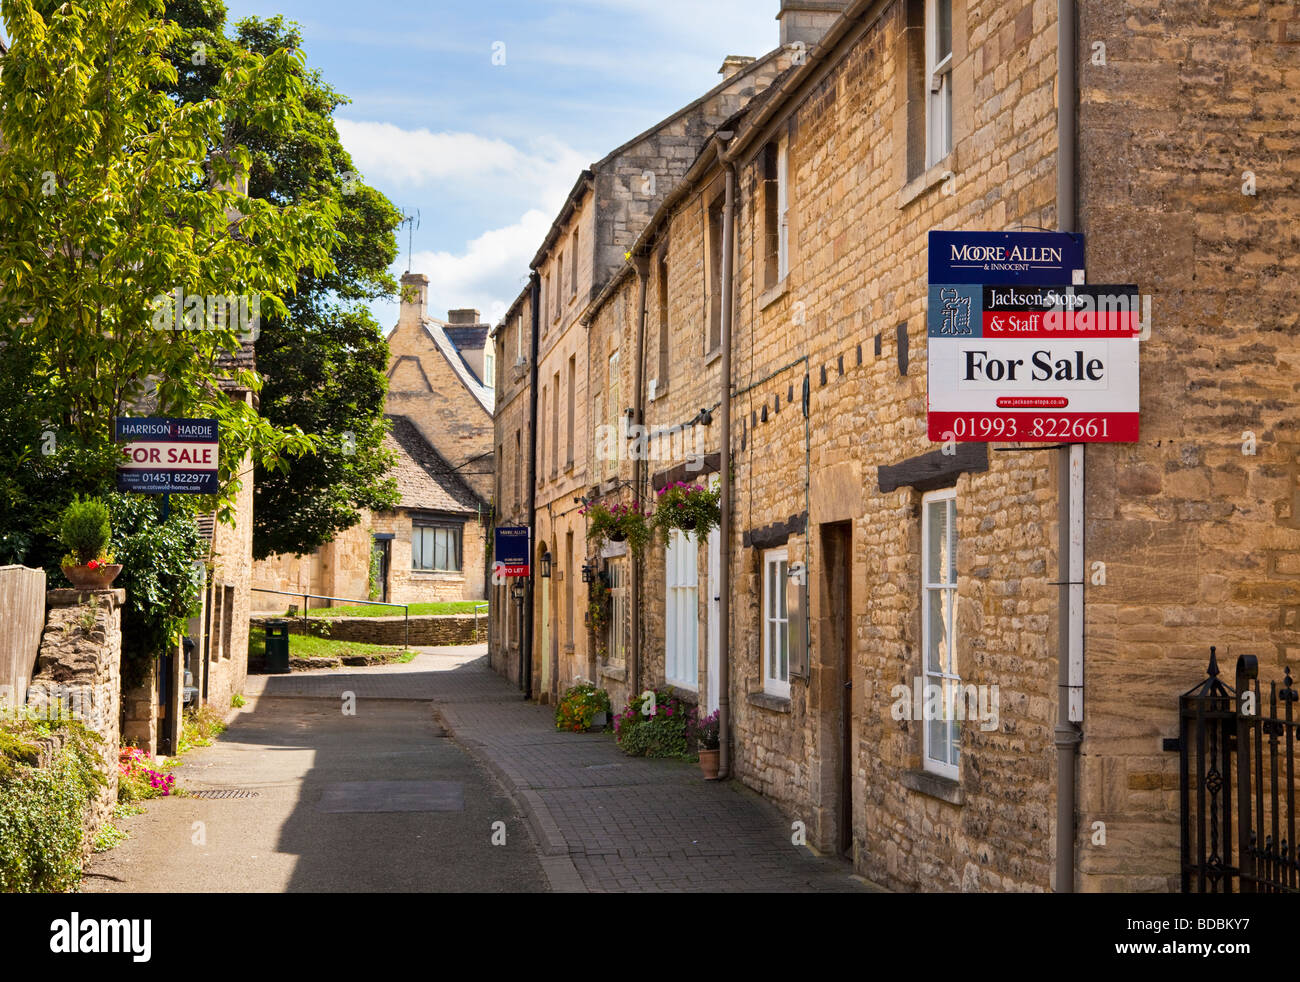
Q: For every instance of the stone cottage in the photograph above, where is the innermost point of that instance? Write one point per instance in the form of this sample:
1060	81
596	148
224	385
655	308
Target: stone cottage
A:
432	547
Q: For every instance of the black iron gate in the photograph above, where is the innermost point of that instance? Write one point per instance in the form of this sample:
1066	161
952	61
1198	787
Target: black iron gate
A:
1237	769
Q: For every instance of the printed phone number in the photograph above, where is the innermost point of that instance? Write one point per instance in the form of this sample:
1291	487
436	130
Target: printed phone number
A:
1039	427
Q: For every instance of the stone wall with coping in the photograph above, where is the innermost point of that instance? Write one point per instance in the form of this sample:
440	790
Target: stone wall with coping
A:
425	629
79	667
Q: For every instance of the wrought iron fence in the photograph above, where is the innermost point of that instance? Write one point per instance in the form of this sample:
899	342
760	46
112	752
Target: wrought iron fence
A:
1237	770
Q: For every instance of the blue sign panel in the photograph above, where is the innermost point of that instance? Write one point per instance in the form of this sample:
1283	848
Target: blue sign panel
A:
510	557
1011	258
167	456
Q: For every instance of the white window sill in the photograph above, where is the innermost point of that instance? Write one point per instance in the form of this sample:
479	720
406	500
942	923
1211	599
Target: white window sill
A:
439	574
775	293
922	183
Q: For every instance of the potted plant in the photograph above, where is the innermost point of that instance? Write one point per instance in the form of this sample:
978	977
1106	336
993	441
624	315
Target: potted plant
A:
617	523
706	737
692	508
583	707
85	531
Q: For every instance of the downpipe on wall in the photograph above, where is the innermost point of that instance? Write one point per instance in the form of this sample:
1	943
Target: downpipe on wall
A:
1069	656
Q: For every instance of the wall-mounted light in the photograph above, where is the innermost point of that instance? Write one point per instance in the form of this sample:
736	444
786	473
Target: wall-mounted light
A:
546	565
705	418
518	590
587	572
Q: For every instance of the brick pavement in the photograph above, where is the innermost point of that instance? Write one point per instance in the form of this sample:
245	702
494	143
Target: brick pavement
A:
612	823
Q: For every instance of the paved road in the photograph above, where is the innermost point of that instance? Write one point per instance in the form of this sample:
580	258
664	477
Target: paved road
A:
328	786
579	815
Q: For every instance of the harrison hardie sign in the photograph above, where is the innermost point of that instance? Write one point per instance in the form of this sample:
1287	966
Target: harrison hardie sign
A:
167	456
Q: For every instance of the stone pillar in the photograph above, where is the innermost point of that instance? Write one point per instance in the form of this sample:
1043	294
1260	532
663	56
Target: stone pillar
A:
80	667
140	722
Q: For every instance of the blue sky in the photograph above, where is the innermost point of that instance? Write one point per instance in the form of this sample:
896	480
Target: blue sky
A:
487	152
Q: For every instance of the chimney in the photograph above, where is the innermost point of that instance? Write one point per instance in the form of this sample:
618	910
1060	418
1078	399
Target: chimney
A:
415	298
733	64
807	21
466	315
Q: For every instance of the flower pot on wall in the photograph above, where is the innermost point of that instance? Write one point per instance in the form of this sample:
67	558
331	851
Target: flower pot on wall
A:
709	764
99	578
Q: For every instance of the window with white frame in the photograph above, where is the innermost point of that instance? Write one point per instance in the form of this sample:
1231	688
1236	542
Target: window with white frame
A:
682	614
618	610
942	736
435	545
783	207
490	367
776	621
938	73
615	410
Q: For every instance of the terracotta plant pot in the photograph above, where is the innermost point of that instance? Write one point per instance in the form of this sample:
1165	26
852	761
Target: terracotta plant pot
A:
709	764
85	578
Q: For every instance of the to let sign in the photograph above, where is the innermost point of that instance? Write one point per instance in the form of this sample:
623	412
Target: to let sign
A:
1036	364
167	456
511	552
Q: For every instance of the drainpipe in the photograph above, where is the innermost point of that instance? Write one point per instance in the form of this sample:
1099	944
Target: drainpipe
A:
724	464
526	647
642	264
1069	655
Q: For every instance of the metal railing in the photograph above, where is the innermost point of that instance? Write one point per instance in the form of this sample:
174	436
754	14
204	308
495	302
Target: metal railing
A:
406	608
1237	757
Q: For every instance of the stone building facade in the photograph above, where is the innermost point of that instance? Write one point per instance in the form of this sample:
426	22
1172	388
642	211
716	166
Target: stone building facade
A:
907	116
439	405
586	246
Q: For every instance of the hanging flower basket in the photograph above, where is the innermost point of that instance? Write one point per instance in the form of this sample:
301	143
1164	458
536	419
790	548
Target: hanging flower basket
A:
618	523
690	508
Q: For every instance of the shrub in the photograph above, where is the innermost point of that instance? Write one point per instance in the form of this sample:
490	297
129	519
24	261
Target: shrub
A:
85	531
161	578
654	725
579	706
42	808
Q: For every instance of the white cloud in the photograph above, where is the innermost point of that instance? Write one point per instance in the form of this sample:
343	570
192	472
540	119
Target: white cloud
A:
489	274
541	174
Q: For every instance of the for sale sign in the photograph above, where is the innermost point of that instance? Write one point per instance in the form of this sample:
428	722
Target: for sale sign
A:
167	455
1038	363
510	557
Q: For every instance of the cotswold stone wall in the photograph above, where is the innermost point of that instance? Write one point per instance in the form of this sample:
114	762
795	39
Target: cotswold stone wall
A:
683	355
79	668
513	432
1190	149
425	629
612	329
849	319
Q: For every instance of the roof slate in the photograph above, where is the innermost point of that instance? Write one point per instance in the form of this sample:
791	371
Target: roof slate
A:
424	478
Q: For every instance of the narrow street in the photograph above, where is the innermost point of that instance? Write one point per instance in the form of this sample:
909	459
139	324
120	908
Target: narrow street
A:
403	796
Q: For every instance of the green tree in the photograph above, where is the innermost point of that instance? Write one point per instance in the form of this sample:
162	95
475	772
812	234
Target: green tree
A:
114	196
323	359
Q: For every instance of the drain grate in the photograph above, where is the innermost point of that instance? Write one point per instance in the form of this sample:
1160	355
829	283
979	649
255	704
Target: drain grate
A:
224	793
